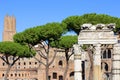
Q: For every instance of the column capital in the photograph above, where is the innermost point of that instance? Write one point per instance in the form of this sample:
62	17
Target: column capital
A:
116	45
77	56
77	49
97	45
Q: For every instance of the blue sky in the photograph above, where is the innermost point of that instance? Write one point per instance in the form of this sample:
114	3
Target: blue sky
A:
30	13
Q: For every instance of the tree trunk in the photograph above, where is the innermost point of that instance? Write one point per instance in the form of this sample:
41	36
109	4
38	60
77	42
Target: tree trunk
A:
66	70
91	64
47	68
67	63
47	71
7	72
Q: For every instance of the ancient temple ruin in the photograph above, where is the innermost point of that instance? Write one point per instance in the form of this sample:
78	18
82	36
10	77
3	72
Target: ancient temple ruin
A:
97	54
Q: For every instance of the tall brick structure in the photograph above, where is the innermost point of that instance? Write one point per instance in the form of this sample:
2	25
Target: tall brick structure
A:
9	28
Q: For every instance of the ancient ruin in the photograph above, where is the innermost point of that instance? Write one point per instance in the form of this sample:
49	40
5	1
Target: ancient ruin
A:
97	54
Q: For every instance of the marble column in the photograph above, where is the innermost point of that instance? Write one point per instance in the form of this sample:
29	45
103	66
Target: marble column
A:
116	62
97	63
77	63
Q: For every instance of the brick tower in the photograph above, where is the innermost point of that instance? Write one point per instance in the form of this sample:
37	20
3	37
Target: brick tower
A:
9	28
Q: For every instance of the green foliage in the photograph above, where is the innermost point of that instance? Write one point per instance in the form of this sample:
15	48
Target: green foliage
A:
65	42
84	46
52	31
29	36
15	49
49	32
19	37
74	22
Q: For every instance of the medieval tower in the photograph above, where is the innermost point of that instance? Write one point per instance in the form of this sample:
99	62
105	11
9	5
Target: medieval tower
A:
9	28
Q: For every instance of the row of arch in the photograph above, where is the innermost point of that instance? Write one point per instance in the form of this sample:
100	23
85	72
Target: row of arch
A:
106	54
16	75
60	77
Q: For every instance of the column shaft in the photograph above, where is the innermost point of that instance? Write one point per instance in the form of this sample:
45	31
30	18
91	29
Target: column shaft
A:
97	63
77	63
116	63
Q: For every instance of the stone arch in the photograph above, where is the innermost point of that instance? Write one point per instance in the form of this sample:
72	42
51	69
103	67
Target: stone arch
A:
54	75
60	63
105	66
104	54
60	77
109	53
3	75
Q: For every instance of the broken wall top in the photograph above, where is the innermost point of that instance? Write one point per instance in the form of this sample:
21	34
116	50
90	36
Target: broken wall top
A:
100	33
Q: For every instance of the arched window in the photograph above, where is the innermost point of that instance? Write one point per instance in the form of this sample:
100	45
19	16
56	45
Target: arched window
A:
18	63
104	54
35	63
106	67
24	63
109	53
11	75
54	75
3	74
60	63
15	74
49	77
19	75
29	63
3	64
71	76
60	77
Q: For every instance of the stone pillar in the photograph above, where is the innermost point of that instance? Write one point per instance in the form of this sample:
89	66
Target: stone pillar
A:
97	63
77	63
116	62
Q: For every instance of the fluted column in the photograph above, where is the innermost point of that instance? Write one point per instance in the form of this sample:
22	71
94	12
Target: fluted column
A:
77	63
97	63
116	62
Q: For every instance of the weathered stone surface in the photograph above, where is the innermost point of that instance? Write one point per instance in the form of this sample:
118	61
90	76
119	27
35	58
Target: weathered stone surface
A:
105	56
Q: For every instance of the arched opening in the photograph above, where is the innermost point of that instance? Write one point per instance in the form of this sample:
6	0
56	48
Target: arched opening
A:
60	63
11	75
19	75
24	63
83	70
109	53
3	75
49	77
54	75
71	76
106	67
60	77
15	74
104	54
3	64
